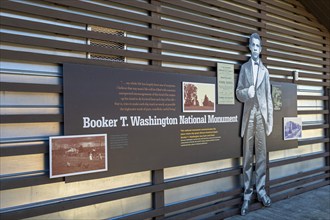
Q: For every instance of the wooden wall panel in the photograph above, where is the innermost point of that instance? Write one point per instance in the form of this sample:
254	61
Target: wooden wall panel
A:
201	32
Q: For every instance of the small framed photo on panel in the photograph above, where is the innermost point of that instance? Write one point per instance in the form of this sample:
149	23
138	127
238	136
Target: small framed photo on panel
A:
77	154
292	128
198	97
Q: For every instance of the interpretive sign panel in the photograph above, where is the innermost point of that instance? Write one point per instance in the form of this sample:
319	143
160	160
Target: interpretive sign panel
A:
226	83
144	115
284	97
79	154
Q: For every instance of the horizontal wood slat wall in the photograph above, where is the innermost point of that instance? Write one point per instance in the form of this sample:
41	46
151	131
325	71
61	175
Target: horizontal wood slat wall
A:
69	203
200	32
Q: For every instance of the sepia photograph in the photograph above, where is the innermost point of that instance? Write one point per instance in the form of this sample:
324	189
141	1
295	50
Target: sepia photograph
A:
292	128
78	154
198	97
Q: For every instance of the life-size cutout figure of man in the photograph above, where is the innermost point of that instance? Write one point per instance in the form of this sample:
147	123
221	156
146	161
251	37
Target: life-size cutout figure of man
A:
253	89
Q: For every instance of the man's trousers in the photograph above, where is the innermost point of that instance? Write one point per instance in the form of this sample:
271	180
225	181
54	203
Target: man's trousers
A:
254	138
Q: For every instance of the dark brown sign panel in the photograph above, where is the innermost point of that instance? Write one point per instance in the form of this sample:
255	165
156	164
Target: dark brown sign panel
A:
152	120
284	97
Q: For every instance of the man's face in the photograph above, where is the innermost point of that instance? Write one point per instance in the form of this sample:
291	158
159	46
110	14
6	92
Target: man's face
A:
255	48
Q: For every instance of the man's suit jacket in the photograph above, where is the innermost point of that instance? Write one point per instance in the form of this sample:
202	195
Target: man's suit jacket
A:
263	94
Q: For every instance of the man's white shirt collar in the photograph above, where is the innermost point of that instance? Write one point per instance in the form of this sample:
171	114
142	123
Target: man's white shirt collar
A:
255	68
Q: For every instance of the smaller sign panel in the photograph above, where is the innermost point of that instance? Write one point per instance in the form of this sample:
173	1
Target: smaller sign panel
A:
292	128
284	97
226	84
77	154
198	97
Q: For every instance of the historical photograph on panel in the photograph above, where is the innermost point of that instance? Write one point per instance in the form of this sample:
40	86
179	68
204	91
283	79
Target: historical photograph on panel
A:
198	97
292	128
277	97
79	154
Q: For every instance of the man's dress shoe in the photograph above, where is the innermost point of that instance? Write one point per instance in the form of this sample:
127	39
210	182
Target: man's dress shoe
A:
245	207
265	200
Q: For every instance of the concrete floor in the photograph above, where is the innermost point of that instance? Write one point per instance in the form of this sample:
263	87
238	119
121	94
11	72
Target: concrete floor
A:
310	205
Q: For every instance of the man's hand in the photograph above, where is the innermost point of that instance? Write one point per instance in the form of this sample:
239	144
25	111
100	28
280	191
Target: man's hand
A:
251	92
270	129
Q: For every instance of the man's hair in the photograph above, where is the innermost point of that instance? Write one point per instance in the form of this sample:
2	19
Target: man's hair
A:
255	36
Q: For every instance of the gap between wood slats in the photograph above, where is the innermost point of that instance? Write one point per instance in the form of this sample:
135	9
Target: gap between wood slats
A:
100	22
35	209
298	35
298	175
206	209
42	179
297	50
109	51
311	83
140	5
300	82
293	10
293	14
290	74
183	205
146	19
213	12
232	8
87	48
315	76
25	210
26	56
88	34
206	21
45	88
284	161
198	20
67	31
305	31
229	203
295	17
89	20
280	55
322	31
105	10
299	182
294	42
300	190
